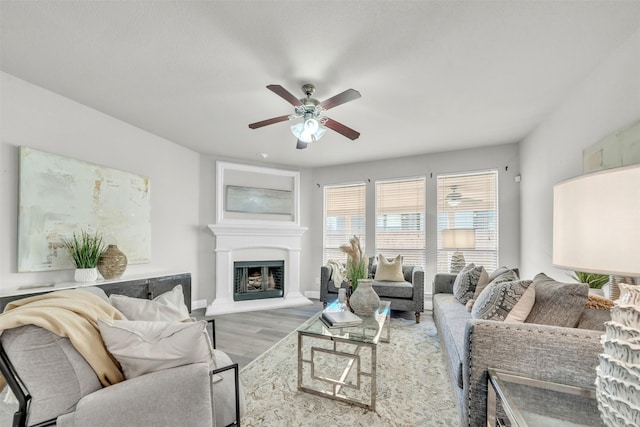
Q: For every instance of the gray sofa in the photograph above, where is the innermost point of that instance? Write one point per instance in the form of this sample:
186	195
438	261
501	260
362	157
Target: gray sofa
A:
471	346
404	296
55	385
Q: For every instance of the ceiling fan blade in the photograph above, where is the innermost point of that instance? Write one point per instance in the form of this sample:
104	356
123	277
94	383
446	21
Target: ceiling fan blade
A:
341	98
285	94
342	129
301	145
267	122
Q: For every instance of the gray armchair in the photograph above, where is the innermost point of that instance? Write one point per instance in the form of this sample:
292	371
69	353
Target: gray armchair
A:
404	296
55	385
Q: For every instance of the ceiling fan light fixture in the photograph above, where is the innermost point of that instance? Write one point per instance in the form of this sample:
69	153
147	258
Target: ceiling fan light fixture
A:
309	131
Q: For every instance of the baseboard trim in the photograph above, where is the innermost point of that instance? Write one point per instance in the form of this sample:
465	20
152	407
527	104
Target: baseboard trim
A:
312	294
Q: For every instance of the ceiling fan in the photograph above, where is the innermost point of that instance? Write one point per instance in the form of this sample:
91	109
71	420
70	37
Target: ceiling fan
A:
310	110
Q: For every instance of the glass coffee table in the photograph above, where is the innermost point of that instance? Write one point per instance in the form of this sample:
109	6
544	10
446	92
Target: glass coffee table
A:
340	362
531	402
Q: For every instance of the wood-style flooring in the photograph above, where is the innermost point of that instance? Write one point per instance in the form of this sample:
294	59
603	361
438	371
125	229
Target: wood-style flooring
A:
245	336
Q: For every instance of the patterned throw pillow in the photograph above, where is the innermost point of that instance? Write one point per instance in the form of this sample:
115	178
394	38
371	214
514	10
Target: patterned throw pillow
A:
503	274
502	297
467	281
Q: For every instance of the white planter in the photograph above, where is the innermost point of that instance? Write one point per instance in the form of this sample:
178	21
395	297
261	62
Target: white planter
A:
85	275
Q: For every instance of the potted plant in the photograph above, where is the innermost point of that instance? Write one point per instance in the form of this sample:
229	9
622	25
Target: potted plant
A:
85	250
594	280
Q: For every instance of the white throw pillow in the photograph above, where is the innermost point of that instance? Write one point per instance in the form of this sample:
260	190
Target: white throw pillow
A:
390	271
168	306
142	347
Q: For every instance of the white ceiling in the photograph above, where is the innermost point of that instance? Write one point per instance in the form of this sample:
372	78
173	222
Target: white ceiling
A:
434	75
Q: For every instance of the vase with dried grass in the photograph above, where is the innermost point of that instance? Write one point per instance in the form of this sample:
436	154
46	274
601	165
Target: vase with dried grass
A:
357	262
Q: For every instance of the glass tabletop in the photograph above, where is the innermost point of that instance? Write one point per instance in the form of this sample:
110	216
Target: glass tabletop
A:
531	402
369	331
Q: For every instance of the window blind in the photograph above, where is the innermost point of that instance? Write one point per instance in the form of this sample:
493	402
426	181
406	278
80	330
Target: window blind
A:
344	217
469	201
400	214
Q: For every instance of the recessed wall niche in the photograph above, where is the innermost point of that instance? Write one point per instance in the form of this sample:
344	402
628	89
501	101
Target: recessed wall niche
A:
247	193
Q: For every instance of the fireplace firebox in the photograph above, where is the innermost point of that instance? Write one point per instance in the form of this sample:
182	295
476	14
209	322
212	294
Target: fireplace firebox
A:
258	280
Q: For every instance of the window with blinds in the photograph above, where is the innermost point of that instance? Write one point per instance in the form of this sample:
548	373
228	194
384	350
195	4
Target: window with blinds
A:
468	219
400	216
344	216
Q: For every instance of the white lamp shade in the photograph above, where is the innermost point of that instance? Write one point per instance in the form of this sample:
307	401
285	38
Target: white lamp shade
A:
459	238
596	222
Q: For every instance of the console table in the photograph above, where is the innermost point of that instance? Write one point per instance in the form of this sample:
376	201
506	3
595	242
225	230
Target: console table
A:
147	287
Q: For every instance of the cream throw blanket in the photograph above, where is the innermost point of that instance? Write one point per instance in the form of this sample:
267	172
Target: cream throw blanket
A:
73	314
337	272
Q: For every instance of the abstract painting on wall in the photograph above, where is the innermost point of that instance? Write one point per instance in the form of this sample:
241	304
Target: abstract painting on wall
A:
60	196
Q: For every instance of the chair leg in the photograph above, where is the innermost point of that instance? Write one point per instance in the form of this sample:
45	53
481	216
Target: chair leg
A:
237	386
417	317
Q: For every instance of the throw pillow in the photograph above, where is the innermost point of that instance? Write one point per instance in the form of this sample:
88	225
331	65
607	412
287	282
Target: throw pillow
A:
466	282
599	303
504	275
500	298
168	306
557	304
501	270
142	347
390	271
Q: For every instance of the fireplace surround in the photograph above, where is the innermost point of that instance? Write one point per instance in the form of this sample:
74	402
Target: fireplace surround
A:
255	242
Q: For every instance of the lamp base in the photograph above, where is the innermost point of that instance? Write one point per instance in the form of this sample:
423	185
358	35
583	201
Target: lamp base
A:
457	262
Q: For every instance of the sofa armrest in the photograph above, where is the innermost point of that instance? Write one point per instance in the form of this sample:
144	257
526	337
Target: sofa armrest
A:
417	280
443	283
175	396
564	355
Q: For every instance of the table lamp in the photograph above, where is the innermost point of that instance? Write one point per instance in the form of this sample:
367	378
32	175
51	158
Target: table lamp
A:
596	229
456	239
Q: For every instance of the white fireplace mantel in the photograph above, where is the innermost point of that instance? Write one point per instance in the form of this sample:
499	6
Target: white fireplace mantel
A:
255	241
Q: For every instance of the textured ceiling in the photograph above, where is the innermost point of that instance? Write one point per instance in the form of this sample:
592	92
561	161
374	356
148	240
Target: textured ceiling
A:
434	75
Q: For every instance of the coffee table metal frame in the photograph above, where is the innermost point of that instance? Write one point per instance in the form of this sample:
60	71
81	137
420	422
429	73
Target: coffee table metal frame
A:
367	335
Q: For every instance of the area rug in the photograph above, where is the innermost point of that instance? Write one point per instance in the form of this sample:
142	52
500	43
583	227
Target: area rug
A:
413	387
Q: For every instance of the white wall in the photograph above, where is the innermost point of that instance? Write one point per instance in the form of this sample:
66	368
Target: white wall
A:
496	157
40	119
608	100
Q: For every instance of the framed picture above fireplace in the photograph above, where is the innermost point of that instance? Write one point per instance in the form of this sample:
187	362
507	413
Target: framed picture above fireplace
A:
259	200
252	194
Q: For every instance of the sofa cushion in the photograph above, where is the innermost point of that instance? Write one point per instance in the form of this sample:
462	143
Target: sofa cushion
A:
594	319
467	281
142	347
389	270
393	289
505	300
557	303
55	374
168	306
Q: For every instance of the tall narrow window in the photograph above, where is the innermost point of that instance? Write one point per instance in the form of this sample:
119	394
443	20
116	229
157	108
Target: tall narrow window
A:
344	216
400	212
467	221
